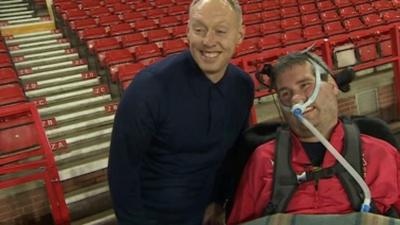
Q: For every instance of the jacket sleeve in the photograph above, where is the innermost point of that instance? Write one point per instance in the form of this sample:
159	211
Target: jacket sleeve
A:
397	203
254	190
134	127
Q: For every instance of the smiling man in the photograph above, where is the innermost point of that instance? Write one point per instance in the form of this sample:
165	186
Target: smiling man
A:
177	122
324	191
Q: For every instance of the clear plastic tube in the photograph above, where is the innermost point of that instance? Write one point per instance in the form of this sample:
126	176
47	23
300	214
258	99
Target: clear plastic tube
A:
365	207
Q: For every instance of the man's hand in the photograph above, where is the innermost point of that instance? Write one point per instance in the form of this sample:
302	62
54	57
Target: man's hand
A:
214	215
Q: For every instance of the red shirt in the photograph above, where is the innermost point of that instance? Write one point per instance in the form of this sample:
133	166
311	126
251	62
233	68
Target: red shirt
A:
382	175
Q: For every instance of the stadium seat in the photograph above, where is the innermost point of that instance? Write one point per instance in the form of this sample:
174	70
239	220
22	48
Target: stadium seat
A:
143	25
385	48
270	27
99	12
120	29
158	35
5	60
173	46
120	8
110	2
82	24
184	18
169	21
287	3
292	37
329	16
308	8
179	31
290	23
343	3
310	19
129	17
74	14
353	24
367	52
271	15
313	32
253	18
325	5
270	4
348	12
133	39
3	47
290	12
88	4
391	16
248	46
365	8
163	3
113	57
103	44
177	10
11	94
183	2
143	6
155	13
334	28
92	33
8	75
382	5
252	31
270	41
128	71
150	61
372	20
146	51
251	8
109	20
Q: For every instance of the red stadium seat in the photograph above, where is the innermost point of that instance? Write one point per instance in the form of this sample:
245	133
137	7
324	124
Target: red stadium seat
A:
248	46
169	21
158	35
109	20
308	8
391	16
92	33
128	71
290	12
99	12
353	24
270	27
120	8
116	56
290	23
143	6
292	37
270	4
270	41
348	12
119	29
110	2
329	16
183	2
313	32
310	19
367	52
372	20
386	48
382	5
343	3
286	3
325	5
334	28
143	25
103	44
365	8
253	18
253	31
3	47
177	10
62	7
179	31
184	18
87	4
146	51
133	39
155	13
164	3
74	14
251	8
271	15
5	60
11	94
149	61
83	24
8	75
173	46
129	17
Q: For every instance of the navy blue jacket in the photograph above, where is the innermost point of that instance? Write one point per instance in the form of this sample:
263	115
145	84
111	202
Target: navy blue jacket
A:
172	130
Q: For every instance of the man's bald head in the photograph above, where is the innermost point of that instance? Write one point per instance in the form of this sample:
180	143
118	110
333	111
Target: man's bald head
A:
234	4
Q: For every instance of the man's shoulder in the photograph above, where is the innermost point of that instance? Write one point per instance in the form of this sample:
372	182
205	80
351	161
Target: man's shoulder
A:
240	74
170	64
266	150
377	145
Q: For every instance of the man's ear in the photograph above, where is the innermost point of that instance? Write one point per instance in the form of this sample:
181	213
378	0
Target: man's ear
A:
335	87
242	31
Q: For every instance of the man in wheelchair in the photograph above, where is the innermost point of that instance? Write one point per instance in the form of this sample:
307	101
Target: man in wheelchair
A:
318	163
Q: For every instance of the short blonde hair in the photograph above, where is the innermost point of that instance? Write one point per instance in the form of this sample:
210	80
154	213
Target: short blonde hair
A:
233	3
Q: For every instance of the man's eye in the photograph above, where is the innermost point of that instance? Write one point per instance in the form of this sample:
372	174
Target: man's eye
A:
221	32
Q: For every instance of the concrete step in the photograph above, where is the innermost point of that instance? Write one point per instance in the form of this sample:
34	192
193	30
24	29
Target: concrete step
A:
82	166
16	17
25	40
51	67
62	88
46	61
31	34
89	201
86	93
103	218
22	21
11	14
34	85
79	126
4	2
74	105
95	148
38	43
79	115
10	10
41	49
53	74
15	5
38	56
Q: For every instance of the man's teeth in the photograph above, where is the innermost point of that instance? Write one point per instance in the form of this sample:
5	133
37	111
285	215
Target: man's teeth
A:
210	54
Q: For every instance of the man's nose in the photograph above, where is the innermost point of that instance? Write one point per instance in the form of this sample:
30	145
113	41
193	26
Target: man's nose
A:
209	39
298	97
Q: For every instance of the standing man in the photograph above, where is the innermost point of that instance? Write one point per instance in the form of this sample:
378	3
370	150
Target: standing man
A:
294	79
177	122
